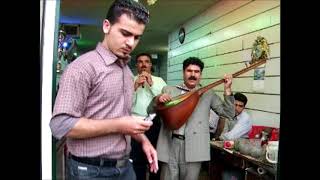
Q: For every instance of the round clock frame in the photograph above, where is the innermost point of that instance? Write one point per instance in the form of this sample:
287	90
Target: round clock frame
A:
182	35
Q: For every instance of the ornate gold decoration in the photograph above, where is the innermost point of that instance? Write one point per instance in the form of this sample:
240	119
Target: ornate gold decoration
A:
260	49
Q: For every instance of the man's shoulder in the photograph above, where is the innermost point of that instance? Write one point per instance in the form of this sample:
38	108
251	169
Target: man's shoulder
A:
245	115
210	93
86	57
84	63
167	87
157	77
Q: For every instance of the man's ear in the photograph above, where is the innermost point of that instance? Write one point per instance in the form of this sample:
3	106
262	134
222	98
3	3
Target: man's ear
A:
106	26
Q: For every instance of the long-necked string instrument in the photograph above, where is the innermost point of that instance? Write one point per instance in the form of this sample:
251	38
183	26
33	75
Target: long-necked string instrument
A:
176	112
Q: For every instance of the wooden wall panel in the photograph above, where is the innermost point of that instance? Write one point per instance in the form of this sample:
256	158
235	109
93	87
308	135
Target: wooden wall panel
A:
271	85
262	102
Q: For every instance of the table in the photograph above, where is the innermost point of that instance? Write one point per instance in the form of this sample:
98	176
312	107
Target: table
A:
222	158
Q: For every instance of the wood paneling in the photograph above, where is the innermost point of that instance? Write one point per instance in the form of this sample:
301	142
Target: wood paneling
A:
261	118
271	84
263	102
232	25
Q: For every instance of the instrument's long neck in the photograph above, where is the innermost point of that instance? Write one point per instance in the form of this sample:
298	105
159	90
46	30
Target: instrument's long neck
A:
236	74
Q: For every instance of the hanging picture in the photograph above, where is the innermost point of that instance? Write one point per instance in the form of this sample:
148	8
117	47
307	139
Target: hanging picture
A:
259	74
258	80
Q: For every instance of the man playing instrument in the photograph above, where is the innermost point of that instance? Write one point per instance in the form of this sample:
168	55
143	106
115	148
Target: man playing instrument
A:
183	150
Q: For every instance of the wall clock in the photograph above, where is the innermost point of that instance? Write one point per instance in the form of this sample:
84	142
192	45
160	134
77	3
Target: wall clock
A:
182	35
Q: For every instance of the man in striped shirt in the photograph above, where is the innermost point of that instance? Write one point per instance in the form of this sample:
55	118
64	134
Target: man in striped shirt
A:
93	105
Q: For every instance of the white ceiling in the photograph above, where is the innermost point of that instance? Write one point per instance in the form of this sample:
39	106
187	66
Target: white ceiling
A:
165	16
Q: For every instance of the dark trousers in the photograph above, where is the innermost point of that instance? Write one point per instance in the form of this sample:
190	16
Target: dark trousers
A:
83	171
141	170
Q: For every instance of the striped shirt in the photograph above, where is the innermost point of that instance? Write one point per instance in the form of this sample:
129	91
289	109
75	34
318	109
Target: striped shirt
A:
97	86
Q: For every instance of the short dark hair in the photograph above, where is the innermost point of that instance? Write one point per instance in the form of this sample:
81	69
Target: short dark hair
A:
241	97
144	54
131	8
193	61
148	55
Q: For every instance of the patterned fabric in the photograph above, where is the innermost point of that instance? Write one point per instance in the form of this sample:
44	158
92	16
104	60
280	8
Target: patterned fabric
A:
97	86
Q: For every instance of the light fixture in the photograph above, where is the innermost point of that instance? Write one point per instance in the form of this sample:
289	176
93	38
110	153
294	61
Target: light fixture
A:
149	2
154	56
65	44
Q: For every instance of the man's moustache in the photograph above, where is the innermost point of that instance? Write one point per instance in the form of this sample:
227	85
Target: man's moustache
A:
192	78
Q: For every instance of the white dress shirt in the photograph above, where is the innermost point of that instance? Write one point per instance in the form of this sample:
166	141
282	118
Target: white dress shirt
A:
240	127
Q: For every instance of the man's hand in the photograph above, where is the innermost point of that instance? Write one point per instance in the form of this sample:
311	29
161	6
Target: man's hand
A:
227	84
139	82
134	125
142	78
162	98
151	154
148	77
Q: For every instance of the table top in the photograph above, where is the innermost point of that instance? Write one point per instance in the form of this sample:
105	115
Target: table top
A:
264	164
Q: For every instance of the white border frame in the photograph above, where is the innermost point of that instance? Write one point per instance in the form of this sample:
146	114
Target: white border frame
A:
48	32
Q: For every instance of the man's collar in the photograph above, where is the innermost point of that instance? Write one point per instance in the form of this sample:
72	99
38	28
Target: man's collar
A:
109	57
236	116
185	88
182	88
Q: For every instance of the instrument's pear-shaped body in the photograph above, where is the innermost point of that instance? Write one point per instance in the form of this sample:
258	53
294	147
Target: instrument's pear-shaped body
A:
176	114
174	117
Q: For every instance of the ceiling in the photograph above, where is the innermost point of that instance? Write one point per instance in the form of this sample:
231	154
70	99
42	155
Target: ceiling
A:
165	16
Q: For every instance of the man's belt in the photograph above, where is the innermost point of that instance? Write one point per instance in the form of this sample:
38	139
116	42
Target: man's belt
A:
178	136
98	161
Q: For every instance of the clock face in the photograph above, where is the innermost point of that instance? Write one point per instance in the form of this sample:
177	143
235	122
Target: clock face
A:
182	35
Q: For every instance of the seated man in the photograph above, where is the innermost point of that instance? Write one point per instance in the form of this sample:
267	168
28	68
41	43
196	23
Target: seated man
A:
233	129
241	124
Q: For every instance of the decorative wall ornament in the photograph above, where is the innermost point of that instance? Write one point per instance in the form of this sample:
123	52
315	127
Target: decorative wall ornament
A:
61	38
260	49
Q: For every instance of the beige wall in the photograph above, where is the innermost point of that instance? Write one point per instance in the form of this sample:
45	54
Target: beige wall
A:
222	37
